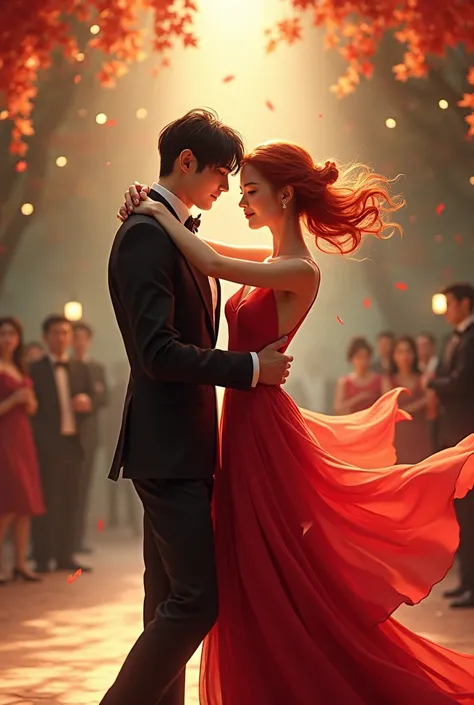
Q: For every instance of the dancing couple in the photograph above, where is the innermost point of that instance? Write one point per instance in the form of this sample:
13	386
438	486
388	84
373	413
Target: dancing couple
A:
286	540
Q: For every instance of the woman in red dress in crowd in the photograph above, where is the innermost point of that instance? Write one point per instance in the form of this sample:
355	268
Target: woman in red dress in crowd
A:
20	488
412	440
319	534
362	387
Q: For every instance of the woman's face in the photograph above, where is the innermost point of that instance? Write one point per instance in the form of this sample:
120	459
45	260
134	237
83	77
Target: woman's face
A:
361	360
261	204
403	356
9	339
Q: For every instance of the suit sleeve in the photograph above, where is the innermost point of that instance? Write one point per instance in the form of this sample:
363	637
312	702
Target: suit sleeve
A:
101	389
146	260
461	378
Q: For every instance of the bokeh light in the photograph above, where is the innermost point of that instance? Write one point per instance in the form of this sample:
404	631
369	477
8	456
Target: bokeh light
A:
438	304
390	123
27	209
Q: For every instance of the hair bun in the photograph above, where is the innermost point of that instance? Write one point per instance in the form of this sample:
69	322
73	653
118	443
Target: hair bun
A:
330	173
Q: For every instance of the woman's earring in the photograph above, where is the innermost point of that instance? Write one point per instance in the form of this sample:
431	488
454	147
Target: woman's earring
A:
283	204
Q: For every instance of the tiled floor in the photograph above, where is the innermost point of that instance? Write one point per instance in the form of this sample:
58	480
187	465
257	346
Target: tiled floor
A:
63	643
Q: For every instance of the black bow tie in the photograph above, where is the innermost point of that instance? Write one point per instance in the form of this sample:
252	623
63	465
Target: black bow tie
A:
61	364
193	224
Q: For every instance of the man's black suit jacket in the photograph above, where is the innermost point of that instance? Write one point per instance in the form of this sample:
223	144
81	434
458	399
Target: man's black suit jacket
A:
454	386
46	423
163	307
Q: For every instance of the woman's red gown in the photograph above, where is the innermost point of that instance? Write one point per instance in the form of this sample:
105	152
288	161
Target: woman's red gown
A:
319	538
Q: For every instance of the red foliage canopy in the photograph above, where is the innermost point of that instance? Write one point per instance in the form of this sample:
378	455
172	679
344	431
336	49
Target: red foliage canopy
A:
32	30
355	29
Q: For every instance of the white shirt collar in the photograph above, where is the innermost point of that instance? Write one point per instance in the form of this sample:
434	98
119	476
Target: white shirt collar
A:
465	324
55	358
182	211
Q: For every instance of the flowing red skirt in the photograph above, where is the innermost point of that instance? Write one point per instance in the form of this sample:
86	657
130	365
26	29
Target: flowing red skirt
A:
319	538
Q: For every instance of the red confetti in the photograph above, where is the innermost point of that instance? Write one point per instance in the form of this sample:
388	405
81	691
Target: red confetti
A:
107	163
320	115
100	525
77	79
111	123
339	320
401	286
440	208
412	218
438	238
269	105
21	166
367	303
458	239
228	79
71	578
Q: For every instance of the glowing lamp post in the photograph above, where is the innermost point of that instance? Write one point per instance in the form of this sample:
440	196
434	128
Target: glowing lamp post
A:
73	311
438	304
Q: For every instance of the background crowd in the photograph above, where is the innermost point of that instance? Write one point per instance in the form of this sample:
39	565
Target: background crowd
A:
57	410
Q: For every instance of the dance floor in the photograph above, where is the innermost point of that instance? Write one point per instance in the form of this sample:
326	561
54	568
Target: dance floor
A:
63	642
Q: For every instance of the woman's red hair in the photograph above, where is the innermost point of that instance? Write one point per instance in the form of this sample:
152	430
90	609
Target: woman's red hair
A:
337	206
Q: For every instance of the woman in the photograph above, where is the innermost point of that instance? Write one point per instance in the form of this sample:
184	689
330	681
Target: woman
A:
412	440
362	387
20	490
318	537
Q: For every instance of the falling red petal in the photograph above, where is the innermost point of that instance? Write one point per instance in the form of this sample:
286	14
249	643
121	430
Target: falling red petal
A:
320	115
111	123
77	78
401	286
269	105
21	166
440	208
367	303
100	525
71	578
339	320
228	79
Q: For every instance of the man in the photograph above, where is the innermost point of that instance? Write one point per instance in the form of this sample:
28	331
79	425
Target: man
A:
34	351
426	350
64	392
383	363
168	314
82	341
454	386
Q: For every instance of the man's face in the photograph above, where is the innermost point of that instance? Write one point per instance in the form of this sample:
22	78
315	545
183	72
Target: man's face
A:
59	338
425	348
81	342
456	311
204	187
384	346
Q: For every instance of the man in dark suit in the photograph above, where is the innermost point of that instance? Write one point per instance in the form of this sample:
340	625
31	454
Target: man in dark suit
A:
90	428
454	386
64	392
168	314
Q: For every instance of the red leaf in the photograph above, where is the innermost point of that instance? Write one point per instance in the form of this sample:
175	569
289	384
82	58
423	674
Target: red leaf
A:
71	578
440	208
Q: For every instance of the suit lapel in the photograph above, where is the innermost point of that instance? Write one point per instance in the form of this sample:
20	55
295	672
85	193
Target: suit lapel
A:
200	279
